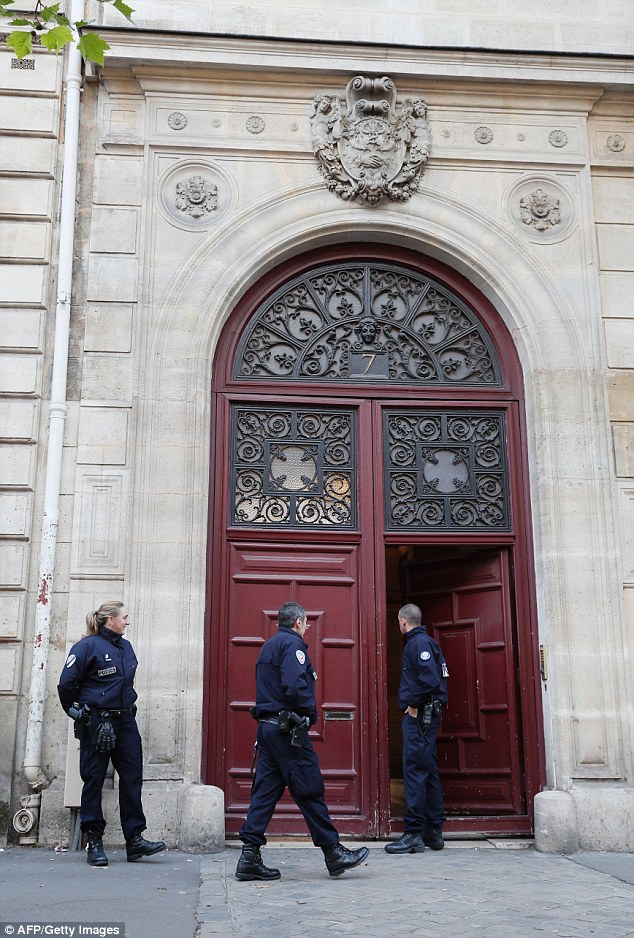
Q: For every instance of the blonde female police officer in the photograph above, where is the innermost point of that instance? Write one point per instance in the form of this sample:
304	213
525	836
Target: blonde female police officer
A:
96	688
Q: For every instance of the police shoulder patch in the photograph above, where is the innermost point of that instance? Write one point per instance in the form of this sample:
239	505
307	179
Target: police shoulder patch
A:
425	655
70	661
301	657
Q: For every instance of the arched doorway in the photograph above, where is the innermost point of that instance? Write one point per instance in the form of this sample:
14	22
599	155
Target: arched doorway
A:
368	450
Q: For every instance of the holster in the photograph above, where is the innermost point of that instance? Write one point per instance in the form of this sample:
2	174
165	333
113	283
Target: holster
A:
290	722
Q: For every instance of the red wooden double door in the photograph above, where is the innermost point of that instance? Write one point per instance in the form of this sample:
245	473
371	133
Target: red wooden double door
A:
352	494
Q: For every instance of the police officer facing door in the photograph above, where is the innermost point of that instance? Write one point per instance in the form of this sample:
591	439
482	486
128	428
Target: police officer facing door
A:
96	689
421	694
285	708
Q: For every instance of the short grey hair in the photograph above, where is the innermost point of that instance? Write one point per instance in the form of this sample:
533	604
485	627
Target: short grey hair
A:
288	615
411	614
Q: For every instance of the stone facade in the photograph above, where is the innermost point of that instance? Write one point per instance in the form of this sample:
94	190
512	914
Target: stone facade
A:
197	176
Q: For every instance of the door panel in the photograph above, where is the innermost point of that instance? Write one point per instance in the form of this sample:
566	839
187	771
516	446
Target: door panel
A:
467	609
325	580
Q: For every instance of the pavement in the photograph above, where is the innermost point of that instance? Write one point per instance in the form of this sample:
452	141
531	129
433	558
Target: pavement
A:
493	888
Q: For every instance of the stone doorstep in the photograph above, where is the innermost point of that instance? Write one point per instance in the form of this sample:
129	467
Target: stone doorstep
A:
520	843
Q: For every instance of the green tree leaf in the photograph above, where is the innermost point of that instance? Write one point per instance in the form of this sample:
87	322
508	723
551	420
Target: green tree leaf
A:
92	47
21	22
55	39
20	42
47	13
123	8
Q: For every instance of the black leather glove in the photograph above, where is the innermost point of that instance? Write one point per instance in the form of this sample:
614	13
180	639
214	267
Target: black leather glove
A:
106	737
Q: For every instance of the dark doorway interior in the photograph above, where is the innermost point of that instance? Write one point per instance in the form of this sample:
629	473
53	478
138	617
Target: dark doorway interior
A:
426	574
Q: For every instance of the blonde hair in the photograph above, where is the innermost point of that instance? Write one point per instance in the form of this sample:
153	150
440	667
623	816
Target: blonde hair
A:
94	620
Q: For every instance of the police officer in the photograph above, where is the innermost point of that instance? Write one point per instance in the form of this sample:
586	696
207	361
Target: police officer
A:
285	708
421	694
96	689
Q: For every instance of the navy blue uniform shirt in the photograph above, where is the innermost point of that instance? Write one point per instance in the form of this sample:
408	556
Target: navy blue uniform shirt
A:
424	671
284	676
99	671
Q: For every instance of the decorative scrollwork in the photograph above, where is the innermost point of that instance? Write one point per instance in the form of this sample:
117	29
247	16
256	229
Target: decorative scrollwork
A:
446	471
367	322
366	148
293	467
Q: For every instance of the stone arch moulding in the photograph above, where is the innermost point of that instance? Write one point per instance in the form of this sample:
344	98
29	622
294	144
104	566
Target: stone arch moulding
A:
230	262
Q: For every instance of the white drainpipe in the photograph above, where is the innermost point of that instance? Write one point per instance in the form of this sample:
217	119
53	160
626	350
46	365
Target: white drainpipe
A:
57	418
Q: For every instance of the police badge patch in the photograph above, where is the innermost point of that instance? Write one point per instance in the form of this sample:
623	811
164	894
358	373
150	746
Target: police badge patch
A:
425	655
70	661
301	657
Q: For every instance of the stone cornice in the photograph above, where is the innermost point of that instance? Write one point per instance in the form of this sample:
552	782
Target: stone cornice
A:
172	49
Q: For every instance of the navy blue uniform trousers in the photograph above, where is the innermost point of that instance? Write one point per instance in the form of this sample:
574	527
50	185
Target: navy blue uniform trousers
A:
127	758
423	792
281	765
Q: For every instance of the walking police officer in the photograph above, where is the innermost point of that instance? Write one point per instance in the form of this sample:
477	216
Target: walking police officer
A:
285	708
421	694
96	689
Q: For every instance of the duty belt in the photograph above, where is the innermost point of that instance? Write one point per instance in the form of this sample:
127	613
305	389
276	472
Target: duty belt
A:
117	713
268	718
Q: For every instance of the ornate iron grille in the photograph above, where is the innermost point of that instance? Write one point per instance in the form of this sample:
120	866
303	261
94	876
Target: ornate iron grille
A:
446	471
367	323
293	467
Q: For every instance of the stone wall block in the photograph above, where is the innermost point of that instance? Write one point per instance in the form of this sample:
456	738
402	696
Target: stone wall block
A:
30	115
20	328
203	820
107	378
613	199
18	420
15	514
11	615
617	293
10	657
114	230
616	246
13	563
19	374
103	435
619	338
44	76
24	240
99	520
112	278
623	436
118	181
38	158
108	327
17	465
26	197
22	284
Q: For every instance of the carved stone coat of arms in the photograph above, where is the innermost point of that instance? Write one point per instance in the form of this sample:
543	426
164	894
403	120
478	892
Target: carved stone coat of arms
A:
367	148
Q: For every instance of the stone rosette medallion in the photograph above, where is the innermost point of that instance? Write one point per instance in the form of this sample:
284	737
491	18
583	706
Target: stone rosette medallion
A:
195	194
368	147
542	207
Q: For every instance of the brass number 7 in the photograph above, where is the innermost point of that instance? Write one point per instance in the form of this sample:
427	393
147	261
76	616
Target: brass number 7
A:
370	363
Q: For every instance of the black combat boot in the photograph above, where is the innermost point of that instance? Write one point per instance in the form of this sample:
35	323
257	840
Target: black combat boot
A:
339	858
96	855
407	843
138	847
250	865
433	838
